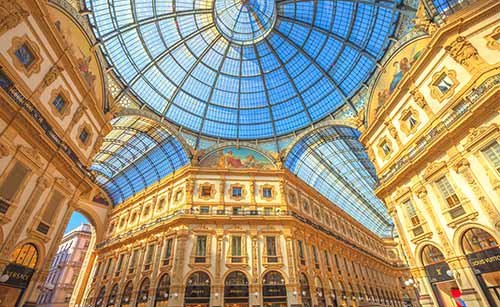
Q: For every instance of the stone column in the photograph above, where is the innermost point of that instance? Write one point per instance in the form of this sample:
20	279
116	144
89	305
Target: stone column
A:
402	232
22	221
466	281
178	267
463	168
493	179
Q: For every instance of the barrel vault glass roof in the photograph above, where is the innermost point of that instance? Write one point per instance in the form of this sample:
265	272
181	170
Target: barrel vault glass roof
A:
335	163
243	69
135	154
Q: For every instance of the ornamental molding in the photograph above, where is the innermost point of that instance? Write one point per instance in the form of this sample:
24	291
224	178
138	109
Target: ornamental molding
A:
401	192
493	39
477	135
433	168
51	76
11	14
462	51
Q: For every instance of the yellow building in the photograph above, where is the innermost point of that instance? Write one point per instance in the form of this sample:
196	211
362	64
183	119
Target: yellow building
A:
435	144
252	153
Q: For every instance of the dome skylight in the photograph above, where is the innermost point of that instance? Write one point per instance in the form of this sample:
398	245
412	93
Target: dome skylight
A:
243	69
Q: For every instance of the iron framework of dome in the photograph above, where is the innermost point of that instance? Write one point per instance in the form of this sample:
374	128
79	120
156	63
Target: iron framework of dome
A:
246	69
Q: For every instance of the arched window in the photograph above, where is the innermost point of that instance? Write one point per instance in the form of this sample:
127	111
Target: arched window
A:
305	290
162	291
320	292
198	289
273	289
112	296
143	294
476	240
431	255
100	297
236	288
127	294
26	255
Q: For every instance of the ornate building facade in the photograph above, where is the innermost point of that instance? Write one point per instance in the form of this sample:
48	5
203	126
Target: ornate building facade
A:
435	144
66	266
221	151
212	236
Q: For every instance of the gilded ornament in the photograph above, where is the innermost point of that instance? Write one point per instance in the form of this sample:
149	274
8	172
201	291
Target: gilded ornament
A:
11	14
51	76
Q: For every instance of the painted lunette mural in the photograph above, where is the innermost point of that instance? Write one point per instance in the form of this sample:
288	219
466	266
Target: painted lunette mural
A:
237	158
394	71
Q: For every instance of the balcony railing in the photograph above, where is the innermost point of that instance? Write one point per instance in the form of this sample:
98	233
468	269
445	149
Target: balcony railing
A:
229	213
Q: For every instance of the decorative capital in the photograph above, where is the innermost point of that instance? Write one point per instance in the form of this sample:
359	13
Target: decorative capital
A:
43	182
433	167
421	192
4	150
461	165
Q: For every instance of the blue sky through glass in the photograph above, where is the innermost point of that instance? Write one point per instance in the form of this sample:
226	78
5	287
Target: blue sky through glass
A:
76	220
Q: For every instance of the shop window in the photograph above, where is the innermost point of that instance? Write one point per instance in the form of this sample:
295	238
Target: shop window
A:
127	293
271	249
26	255
197	291
201	249
100	297
163	290
143	293
492	153
476	240
167	254
112	296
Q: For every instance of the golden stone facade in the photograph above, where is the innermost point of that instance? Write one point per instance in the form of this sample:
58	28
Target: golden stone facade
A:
440	178
321	255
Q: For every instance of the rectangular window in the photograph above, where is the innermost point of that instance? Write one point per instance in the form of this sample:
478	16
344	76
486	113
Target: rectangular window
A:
149	257
206	191
97	270
167	252
267	192
25	55
268	211
11	185
204	210
301	252
492	153
315	257
133	261
271	251
411	121
201	249
59	103
119	264
108	267
236	192
236	251
49	211
412	213
447	192
327	260
236	210
385	148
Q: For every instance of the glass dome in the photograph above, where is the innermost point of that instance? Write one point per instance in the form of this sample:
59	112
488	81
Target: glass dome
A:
243	69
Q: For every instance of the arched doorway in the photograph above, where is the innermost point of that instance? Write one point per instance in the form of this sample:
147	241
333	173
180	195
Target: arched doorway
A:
320	292
162	291
112	296
236	290
274	290
305	290
99	301
19	271
143	294
127	295
483	254
439	275
197	292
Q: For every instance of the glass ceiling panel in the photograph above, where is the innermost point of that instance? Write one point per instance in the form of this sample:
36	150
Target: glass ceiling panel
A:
137	153
243	69
334	162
